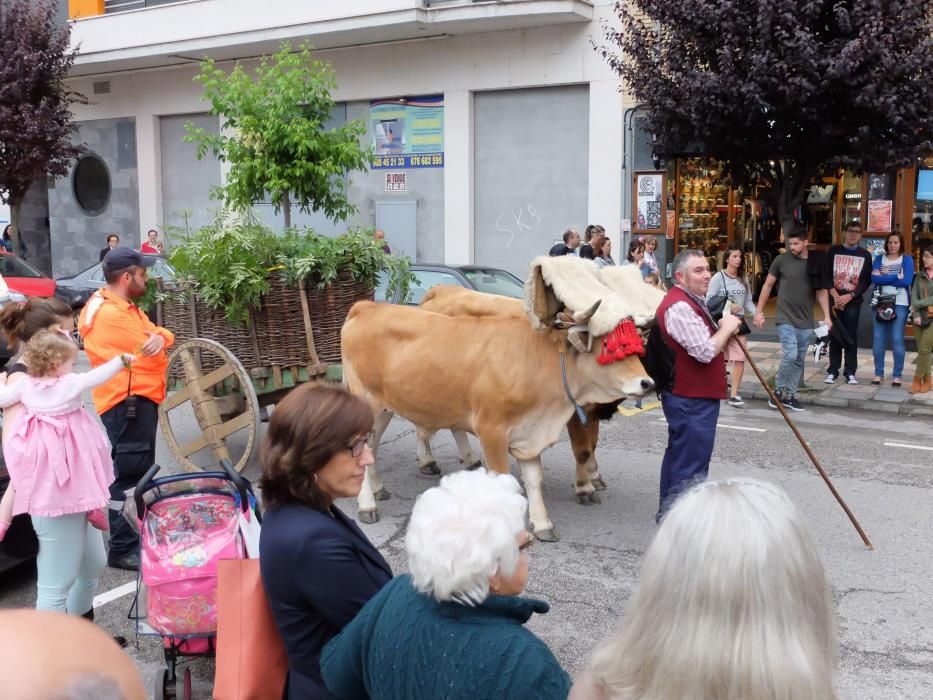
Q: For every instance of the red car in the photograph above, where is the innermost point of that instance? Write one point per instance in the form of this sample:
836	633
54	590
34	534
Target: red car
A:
23	278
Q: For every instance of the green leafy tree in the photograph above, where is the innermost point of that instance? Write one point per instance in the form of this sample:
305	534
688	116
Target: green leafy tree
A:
780	89
274	136
36	123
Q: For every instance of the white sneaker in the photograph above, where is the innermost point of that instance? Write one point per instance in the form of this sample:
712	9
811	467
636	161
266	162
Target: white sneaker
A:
830	378
736	402
851	379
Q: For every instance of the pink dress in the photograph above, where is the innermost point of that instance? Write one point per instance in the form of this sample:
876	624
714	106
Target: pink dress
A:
58	456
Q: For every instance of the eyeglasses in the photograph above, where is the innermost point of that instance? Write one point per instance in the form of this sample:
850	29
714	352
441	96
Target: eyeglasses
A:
356	449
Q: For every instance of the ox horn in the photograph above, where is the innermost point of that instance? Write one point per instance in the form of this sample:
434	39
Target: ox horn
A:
575	337
583	317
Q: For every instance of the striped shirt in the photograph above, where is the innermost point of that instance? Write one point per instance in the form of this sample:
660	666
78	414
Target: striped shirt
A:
689	330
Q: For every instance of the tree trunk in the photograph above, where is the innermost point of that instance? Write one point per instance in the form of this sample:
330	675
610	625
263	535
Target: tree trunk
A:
793	180
287	209
16	216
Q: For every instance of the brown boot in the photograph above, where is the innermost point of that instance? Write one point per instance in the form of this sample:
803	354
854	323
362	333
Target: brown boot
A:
915	386
927	384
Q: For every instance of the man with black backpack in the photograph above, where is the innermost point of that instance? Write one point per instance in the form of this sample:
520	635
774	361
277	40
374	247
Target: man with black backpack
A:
691	397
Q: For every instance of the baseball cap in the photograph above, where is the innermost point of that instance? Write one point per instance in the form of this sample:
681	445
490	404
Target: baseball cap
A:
123	257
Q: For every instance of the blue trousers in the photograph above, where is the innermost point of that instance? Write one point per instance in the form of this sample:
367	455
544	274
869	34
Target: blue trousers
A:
891	333
691	434
71	560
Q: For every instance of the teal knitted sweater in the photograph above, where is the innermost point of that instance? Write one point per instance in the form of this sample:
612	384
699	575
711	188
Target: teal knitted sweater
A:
405	646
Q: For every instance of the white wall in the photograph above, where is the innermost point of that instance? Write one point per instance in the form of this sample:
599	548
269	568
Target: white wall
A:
455	66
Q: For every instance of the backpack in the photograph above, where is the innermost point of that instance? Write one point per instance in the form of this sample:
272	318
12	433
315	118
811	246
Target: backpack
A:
659	360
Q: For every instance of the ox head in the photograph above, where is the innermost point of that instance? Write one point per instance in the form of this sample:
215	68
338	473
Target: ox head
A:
608	367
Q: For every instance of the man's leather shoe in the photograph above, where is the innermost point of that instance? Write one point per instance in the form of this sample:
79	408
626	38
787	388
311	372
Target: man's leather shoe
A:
129	562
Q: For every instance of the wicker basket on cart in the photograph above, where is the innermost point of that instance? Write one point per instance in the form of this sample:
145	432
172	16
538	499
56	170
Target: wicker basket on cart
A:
294	328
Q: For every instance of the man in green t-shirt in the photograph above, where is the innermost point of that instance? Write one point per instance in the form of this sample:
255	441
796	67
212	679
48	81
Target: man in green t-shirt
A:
800	284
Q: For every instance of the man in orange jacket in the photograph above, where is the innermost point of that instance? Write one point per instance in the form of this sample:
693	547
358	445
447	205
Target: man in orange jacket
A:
111	324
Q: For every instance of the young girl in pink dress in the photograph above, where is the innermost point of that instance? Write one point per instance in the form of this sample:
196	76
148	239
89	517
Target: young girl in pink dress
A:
60	469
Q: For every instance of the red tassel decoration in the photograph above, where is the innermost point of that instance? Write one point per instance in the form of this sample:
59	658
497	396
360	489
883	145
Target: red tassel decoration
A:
620	342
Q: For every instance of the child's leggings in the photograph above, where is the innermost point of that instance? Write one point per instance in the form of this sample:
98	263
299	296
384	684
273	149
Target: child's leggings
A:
71	559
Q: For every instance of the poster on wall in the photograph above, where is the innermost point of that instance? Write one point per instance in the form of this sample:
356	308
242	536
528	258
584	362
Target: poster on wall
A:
649	190
879	215
396	182
671	224
408	132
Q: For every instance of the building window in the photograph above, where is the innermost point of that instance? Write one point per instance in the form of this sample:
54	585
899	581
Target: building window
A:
91	182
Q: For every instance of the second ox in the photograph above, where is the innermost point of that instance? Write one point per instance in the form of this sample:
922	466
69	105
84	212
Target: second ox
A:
496	377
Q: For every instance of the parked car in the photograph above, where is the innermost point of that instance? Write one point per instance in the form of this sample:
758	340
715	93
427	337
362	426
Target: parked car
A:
490	280
77	289
23	278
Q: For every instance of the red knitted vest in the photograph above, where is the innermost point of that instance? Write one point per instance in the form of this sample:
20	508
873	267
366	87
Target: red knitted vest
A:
693	379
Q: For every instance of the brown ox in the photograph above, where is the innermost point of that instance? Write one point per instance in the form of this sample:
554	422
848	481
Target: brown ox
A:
457	301
495	377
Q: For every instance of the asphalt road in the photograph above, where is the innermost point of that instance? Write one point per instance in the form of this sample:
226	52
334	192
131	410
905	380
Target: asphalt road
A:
884	597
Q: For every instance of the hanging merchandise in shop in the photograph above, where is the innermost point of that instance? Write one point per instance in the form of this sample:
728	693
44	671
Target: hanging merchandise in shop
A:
408	132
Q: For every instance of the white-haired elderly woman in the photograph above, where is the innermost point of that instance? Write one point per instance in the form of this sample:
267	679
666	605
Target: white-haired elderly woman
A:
732	604
453	628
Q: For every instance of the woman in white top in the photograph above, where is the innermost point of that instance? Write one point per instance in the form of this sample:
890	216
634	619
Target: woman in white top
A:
651	245
732	284
892	273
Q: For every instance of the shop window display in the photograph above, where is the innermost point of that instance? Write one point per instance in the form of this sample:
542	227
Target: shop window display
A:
921	233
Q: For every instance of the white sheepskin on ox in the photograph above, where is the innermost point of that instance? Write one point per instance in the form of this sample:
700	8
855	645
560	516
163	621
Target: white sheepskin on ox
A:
580	283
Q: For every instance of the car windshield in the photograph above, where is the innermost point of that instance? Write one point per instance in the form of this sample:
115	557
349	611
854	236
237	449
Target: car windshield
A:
496	282
11	266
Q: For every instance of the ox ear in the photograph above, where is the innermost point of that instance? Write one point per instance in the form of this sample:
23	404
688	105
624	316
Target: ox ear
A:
544	303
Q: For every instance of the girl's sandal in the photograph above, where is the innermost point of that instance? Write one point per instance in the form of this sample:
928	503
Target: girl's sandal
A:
876	382
896	383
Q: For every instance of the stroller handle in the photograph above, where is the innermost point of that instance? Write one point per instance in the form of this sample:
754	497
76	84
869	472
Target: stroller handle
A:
243	487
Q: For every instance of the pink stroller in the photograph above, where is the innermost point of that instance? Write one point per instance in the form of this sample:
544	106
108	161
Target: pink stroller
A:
187	524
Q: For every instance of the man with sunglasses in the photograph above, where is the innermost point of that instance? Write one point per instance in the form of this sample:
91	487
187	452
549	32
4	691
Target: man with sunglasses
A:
111	324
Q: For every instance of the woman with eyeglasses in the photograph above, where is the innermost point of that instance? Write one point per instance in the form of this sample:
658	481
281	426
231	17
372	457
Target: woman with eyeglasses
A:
455	627
318	568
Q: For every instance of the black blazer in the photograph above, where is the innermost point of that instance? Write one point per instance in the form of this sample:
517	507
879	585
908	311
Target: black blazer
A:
318	570
103	253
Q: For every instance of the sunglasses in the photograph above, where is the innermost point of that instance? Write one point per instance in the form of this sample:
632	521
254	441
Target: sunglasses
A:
356	448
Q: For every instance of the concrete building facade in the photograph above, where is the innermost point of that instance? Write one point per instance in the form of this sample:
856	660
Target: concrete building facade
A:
531	118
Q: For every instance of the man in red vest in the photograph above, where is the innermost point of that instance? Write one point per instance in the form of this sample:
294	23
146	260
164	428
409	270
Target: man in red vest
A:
691	407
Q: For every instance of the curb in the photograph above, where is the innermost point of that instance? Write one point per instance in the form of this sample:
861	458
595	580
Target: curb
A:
906	408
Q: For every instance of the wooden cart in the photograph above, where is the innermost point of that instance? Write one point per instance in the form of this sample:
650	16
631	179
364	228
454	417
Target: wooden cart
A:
224	374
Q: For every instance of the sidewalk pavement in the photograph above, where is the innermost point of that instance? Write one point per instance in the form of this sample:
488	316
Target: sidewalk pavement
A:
884	398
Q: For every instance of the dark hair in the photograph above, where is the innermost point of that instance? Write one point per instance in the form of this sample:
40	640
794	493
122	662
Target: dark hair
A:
6	232
599	240
891	235
313	423
928	249
854	223
731	248
19	322
633	248
568	234
800	233
112	235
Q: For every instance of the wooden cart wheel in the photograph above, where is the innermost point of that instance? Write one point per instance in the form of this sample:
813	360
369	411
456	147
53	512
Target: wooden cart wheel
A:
218	417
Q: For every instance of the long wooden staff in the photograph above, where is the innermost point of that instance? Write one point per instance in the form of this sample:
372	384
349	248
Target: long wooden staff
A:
805	446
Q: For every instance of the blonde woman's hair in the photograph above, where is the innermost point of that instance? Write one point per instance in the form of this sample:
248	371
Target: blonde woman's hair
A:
46	351
732	604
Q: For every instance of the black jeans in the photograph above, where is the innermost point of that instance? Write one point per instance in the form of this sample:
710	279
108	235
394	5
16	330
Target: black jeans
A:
133	453
848	319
